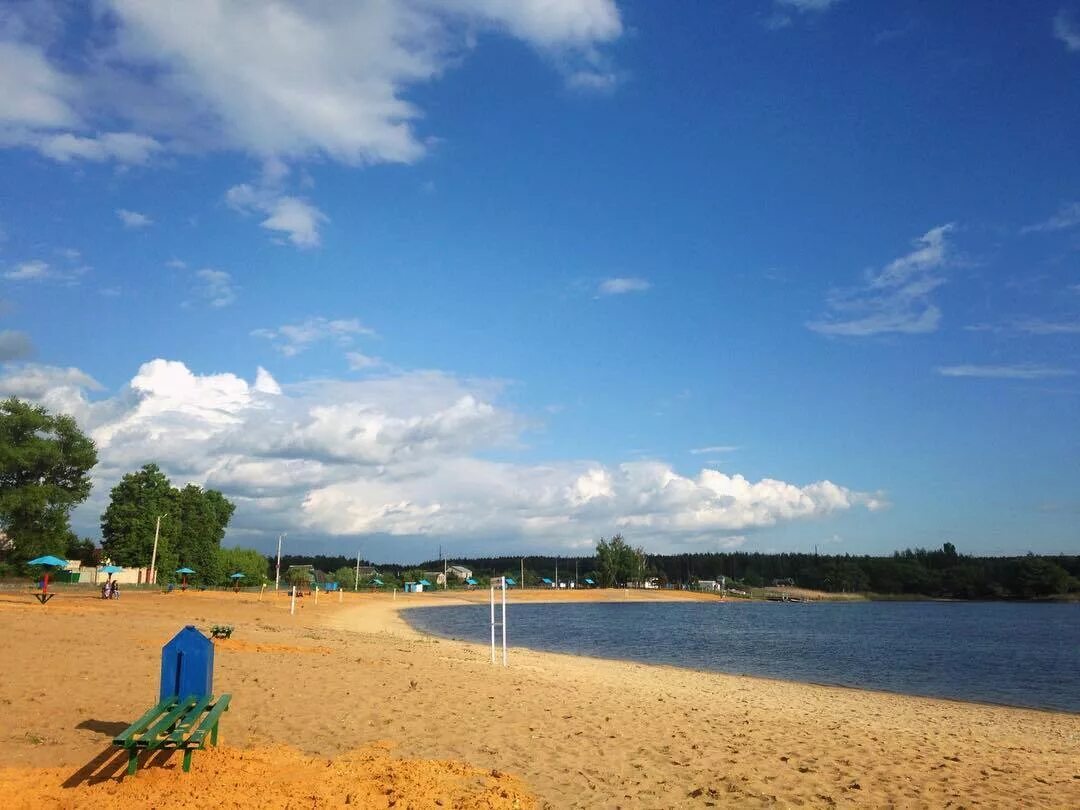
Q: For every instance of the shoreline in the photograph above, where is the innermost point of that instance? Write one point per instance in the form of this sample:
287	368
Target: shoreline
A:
445	603
577	731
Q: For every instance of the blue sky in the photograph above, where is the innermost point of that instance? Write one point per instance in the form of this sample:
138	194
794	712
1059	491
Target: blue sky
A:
511	276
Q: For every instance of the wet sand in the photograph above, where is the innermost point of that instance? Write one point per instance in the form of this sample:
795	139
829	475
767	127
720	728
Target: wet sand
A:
343	676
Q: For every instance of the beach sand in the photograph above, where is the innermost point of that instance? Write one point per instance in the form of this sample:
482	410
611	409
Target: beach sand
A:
345	700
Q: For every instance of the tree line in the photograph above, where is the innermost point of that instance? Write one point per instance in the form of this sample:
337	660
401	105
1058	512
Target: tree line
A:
940	573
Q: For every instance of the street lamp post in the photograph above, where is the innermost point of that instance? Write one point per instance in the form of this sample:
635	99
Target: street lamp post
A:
153	555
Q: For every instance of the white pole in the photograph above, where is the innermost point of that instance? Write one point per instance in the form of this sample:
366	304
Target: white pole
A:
340	594
395	593
277	571
316	594
261	589
292	605
356	584
153	554
504	619
493	624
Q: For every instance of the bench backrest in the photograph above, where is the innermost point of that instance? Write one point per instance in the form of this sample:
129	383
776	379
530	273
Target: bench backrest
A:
187	665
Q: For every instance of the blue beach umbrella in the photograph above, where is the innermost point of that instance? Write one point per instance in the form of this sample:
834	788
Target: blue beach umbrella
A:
184	573
236	580
237	575
377	582
471	581
111	569
510	581
51	562
425	583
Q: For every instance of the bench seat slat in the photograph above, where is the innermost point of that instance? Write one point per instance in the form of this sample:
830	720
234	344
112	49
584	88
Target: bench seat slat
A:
149	738
206	726
190	721
124	738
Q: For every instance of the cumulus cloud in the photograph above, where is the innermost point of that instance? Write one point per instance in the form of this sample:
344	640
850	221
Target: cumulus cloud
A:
292	339
895	298
622	285
215	287
1020	371
402	455
1067	31
133	219
288	79
14	346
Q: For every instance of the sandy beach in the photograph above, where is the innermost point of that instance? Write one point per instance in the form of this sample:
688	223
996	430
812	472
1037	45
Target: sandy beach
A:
345	703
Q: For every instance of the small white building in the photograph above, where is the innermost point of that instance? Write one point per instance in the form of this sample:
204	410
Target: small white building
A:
459	572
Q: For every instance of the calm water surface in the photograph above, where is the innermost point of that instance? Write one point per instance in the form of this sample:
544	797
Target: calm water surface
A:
1016	654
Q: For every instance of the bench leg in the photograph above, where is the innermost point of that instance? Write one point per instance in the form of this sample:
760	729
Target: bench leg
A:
213	735
133	761
187	759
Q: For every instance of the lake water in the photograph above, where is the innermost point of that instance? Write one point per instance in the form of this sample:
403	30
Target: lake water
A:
1014	654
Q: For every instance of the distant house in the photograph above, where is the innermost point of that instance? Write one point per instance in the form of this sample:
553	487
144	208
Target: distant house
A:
784	583
437	576
708	585
460	572
367	571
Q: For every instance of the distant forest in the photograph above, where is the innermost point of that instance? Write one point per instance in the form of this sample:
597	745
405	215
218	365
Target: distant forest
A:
942	573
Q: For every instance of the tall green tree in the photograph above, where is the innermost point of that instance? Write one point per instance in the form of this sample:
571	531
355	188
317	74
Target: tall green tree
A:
252	564
127	526
617	563
204	516
45	462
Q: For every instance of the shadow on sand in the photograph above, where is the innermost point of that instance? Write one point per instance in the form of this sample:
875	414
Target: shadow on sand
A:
111	766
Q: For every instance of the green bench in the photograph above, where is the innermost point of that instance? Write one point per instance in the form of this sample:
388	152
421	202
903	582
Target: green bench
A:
174	724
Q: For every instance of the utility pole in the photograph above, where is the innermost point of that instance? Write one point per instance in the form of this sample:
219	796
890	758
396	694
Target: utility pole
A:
575	573
277	569
445	582
556	572
521	582
356	584
153	555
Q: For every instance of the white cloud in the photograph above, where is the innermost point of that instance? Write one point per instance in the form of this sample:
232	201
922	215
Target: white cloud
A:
133	219
124	147
715	448
620	286
896	298
215	287
36	270
400	455
293	216
14	346
358	361
1037	326
265	382
1066	30
32	93
291	339
808	5
1068	216
1021	371
288	79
